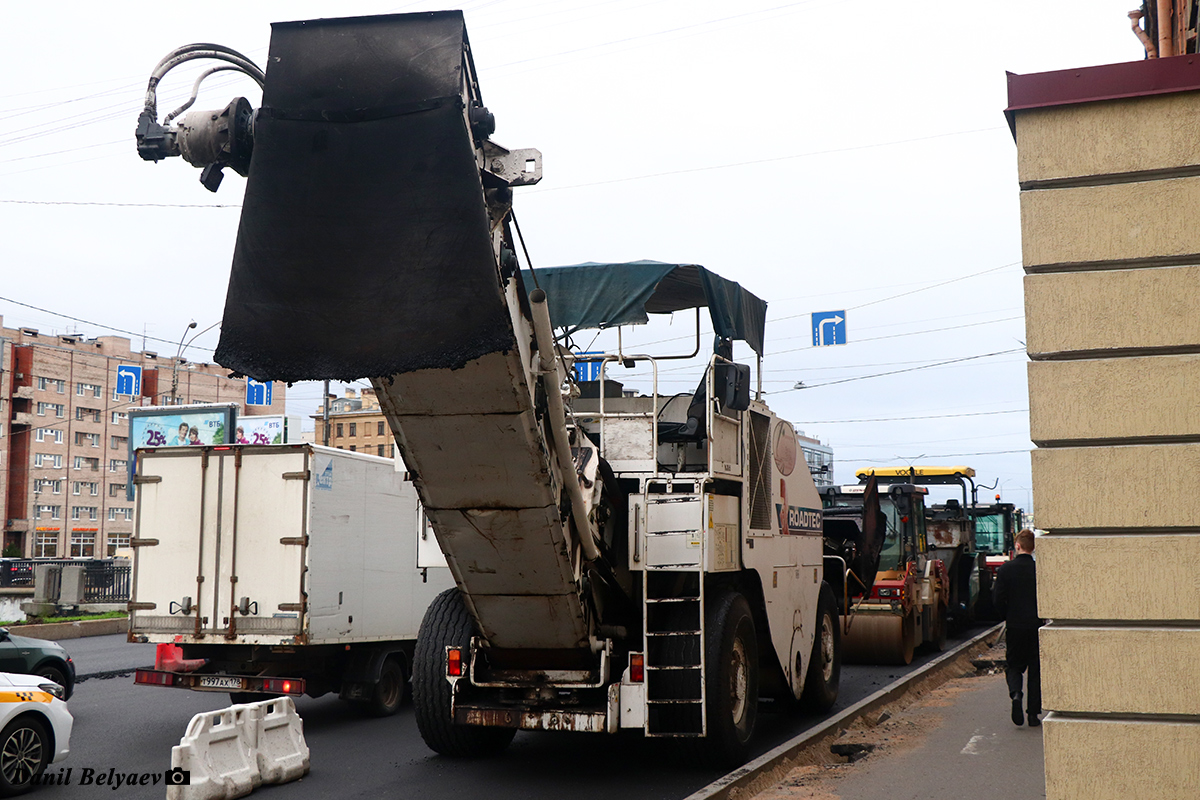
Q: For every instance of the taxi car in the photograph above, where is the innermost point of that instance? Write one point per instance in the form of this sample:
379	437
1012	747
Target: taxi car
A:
35	730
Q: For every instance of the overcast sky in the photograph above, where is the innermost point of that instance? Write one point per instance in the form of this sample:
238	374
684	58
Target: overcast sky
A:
827	155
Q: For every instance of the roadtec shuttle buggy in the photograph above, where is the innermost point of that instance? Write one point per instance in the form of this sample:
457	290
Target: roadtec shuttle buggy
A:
620	562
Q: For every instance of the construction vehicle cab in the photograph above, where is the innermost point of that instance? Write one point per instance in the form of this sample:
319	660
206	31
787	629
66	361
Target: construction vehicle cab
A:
906	605
647	562
996	525
951	532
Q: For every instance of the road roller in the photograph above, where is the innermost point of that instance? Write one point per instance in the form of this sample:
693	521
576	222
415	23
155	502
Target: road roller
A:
906	604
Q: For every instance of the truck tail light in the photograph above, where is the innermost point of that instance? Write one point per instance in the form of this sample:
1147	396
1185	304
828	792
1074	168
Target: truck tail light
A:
454	662
637	667
153	677
284	685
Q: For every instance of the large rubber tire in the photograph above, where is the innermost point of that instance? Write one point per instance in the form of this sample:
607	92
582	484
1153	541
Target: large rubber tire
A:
941	625
908	638
731	684
825	664
447	622
24	754
389	691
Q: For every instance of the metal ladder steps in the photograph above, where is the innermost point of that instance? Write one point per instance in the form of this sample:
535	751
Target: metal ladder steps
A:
681	718
674	636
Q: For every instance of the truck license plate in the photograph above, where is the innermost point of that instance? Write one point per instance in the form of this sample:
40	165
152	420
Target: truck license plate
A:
218	682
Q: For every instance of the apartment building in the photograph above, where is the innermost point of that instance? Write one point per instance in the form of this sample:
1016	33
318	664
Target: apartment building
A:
356	424
64	437
819	456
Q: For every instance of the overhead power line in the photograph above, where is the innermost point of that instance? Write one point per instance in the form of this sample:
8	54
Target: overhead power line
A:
914	291
904	419
934	455
906	369
863	305
118	205
654	34
771	160
101	325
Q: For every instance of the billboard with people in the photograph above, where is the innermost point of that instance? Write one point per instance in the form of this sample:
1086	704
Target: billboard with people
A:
178	426
260	430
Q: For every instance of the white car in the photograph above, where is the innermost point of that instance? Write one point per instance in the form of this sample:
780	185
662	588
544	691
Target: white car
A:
35	730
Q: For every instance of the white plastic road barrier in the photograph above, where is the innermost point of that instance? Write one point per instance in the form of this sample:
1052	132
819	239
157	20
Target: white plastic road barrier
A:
218	754
229	753
282	752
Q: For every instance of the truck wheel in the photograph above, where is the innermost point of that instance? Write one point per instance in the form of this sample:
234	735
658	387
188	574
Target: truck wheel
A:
908	636
389	691
939	631
825	665
731	684
447	622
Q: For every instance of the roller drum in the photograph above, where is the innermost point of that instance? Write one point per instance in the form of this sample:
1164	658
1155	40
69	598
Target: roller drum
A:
878	639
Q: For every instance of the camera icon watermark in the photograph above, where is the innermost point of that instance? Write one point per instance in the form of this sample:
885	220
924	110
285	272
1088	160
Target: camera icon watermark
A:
178	777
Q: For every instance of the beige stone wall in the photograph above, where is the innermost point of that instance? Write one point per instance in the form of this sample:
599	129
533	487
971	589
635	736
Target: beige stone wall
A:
1119	760
1158	577
1119	222
1114	304
1093	398
1121	487
1107	670
1120	136
1109	209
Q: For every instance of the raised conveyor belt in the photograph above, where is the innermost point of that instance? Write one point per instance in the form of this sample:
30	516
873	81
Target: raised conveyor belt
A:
366	251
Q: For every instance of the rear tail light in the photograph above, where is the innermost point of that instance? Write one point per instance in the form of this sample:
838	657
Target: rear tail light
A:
153	678
283	685
637	667
454	662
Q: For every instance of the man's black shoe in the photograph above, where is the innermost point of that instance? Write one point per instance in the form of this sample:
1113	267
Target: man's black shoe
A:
1018	716
1034	722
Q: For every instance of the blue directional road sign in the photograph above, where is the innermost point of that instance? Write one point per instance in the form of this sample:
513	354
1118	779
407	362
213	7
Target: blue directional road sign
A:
129	380
828	327
587	370
258	394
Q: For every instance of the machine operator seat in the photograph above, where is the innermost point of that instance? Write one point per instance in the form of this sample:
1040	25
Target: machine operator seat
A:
692	430
731	385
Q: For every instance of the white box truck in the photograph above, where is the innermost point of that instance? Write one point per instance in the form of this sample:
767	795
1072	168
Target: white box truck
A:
269	570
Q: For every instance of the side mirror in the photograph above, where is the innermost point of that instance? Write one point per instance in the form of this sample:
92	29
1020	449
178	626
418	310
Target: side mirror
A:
731	385
3	634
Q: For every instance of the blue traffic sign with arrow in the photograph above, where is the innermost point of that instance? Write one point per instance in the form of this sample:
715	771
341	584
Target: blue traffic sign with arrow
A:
829	327
129	380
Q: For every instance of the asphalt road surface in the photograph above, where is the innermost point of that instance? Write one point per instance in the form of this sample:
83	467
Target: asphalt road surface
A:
131	729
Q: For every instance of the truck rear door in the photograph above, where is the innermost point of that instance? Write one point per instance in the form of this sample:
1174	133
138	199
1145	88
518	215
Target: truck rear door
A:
219	548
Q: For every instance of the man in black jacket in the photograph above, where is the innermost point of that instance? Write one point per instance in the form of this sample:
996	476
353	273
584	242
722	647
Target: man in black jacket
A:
1015	598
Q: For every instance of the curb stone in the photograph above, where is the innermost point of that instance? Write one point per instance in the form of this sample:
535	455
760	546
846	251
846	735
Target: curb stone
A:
745	781
56	631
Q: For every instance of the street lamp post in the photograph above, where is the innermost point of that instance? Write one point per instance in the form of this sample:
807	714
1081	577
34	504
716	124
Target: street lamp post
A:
175	365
